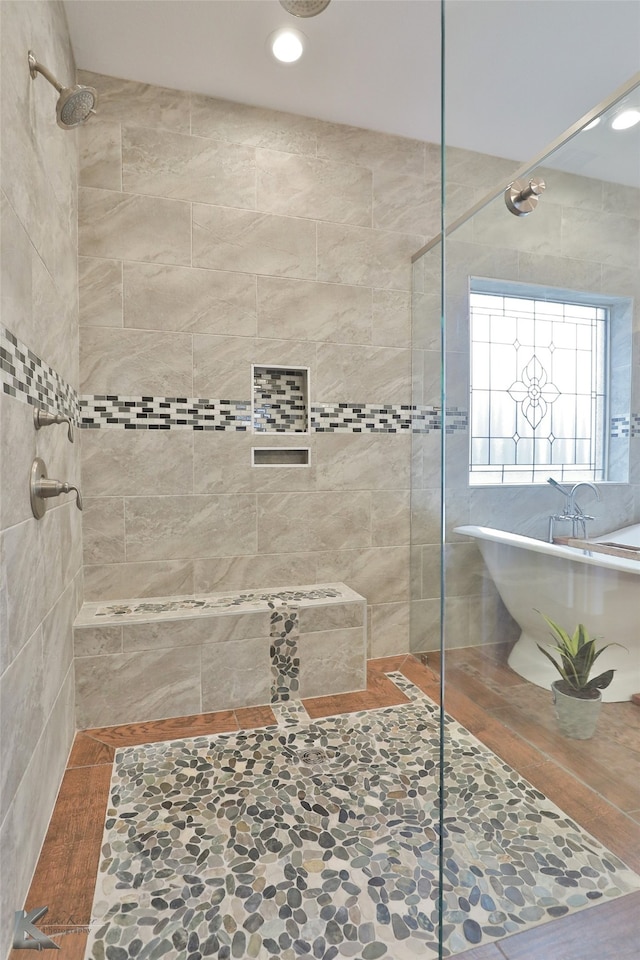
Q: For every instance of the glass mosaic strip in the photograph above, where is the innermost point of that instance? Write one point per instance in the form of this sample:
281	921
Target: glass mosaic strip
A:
29	379
321	838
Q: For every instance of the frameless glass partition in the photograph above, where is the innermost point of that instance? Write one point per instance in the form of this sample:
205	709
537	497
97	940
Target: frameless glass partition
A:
541	376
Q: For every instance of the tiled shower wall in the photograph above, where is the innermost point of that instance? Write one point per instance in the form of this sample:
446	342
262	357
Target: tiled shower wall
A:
584	235
212	236
41	560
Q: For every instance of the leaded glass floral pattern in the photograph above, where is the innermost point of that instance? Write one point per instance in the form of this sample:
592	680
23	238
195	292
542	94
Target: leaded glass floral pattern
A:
538	389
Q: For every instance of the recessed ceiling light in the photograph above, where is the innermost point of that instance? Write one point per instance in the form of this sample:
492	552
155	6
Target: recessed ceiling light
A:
626	119
287	45
594	123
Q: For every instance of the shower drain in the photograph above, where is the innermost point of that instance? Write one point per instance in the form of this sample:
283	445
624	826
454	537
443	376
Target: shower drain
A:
315	756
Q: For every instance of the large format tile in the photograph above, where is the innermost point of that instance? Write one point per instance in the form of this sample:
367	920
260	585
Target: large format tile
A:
99	292
161	297
132	463
354	374
255	126
236	672
327	521
295	186
126	687
100	155
381	574
347	461
217	574
142	104
373	258
332	660
166	164
135	363
166	528
228	239
180	633
305	310
371	149
222	365
103	530
124	226
119	581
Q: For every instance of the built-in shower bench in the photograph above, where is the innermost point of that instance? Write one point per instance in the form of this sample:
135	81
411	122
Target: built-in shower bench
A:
147	659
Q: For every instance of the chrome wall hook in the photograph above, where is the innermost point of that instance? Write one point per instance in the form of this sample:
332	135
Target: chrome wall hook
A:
521	196
42	418
42	488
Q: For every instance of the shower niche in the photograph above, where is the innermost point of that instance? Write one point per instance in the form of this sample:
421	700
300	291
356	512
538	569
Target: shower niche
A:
280	405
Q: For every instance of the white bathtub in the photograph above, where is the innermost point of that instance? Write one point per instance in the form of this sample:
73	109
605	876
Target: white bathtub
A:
570	586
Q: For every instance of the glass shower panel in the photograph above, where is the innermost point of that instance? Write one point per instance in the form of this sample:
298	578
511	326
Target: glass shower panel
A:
547	387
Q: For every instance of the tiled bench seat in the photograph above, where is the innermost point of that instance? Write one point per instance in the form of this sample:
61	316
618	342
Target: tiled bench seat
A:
149	659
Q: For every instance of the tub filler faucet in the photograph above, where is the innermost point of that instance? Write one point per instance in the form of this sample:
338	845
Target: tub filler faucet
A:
572	512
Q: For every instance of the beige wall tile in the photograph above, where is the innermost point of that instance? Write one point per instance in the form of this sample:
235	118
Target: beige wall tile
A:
100	155
390	519
131	687
236	674
362	374
361	255
333	616
389	629
606	237
166	164
94	641
18	436
222	365
328	521
391	320
21	607
22	712
57	645
406	204
103	530
130	463
198	630
166	528
100	292
371	149
128	101
214	575
347	461
332	661
256	126
378	573
161	297
295	186
224	463
305	310
121	581
135	362
228	239
123	226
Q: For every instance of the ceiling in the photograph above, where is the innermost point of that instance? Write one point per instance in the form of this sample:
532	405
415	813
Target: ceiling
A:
518	72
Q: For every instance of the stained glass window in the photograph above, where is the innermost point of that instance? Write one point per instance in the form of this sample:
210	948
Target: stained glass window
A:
538	389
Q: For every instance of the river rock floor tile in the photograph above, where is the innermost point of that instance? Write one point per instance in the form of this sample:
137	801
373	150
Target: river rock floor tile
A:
321	839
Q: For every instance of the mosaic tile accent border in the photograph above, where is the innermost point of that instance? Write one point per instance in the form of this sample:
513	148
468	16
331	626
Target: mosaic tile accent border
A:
322	839
194	606
285	662
165	413
279	401
29	379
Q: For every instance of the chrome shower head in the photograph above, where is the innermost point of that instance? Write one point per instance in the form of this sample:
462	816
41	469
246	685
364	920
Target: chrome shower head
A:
75	104
304	8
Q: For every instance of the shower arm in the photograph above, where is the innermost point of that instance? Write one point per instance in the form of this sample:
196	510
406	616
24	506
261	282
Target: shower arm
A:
36	68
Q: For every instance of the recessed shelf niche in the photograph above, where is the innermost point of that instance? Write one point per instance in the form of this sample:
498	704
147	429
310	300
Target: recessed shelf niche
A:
280	456
280	399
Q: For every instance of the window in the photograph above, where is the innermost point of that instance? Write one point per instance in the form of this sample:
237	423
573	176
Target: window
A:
538	385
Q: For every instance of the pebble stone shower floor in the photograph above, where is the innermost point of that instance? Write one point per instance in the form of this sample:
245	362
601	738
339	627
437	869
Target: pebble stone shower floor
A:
320	838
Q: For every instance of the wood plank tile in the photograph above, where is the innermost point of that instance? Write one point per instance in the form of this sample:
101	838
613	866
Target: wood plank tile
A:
65	880
174	728
387	664
598	933
86	751
79	809
249	717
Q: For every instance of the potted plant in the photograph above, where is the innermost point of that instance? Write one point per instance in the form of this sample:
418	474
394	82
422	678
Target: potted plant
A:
576	696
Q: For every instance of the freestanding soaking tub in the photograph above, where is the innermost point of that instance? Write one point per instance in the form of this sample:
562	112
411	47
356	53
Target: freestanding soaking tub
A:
570	586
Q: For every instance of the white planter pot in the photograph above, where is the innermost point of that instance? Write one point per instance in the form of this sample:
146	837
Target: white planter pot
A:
576	718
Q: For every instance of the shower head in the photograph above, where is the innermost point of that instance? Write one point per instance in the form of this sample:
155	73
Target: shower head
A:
304	8
75	104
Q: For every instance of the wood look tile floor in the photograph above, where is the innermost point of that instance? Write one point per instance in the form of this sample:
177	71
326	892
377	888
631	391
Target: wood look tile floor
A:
595	781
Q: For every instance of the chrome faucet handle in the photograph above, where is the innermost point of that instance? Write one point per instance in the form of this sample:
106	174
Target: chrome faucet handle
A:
43	418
